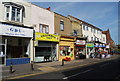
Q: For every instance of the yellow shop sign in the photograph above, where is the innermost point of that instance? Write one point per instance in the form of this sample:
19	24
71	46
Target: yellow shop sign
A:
46	37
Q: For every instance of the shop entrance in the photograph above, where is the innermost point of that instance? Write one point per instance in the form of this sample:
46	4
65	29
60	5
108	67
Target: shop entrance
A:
2	53
46	51
18	50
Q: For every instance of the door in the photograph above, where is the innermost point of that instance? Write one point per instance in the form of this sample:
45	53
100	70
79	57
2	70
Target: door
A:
2	53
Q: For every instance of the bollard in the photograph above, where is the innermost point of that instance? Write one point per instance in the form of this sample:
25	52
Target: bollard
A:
11	67
32	67
62	62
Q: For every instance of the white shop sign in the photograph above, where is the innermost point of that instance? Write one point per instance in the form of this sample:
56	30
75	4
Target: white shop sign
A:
80	42
11	30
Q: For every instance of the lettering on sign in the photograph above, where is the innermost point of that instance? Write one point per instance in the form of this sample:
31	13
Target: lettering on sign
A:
47	37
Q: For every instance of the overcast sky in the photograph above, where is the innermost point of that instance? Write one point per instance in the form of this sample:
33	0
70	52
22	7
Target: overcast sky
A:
101	14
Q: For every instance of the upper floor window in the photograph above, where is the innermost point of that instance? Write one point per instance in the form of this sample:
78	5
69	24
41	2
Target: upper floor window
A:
97	39
83	27
44	28
91	29
61	25
91	38
13	12
87	28
94	30
103	38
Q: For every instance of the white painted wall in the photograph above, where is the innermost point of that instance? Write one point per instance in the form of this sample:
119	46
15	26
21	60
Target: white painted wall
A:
42	16
92	34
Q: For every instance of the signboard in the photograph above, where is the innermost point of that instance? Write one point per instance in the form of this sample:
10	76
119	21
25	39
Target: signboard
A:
107	46
80	42
99	46
46	37
11	30
90	45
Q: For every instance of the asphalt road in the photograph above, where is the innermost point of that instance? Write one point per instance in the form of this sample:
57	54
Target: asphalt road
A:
109	70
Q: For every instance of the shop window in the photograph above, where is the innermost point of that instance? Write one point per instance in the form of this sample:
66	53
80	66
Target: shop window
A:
43	51
62	25
13	12
65	50
43	28
19	42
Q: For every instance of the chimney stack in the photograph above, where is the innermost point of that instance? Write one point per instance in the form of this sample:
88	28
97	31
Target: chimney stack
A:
48	8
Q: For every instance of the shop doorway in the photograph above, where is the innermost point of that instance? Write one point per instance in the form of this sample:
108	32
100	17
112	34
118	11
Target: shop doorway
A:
2	54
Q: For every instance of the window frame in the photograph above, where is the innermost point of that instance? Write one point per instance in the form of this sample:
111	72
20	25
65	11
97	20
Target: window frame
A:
16	12
61	25
45	27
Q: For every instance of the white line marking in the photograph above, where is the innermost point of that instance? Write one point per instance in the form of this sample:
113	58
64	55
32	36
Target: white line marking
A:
104	64
77	74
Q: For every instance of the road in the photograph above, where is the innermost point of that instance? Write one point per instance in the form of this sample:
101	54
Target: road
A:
109	70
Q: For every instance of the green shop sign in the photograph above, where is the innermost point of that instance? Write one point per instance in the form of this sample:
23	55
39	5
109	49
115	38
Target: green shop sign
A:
90	45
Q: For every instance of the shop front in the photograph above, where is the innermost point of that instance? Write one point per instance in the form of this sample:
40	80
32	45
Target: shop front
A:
90	49
80	48
16	44
66	48
46	46
100	47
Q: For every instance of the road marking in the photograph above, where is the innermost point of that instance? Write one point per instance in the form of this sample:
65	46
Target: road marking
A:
77	74
104	64
26	75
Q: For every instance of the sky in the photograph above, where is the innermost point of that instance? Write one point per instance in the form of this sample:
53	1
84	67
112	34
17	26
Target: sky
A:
103	15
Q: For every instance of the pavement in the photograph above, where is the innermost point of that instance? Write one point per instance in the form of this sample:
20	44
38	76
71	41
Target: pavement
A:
24	70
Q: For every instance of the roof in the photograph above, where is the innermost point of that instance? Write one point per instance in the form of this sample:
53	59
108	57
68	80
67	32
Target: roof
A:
38	6
85	22
61	15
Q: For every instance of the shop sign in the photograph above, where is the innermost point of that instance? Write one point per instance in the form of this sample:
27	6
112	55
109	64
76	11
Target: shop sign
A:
80	42
18	31
99	46
90	45
107	46
47	37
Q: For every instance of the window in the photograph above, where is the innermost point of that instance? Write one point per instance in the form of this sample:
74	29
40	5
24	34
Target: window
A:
92	38
103	38
98	39
94	30
87	28
7	12
91	29
61	25
13	12
65	50
83	27
43	28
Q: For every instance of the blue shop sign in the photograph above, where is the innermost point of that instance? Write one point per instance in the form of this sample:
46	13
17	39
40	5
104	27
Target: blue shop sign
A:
99	46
